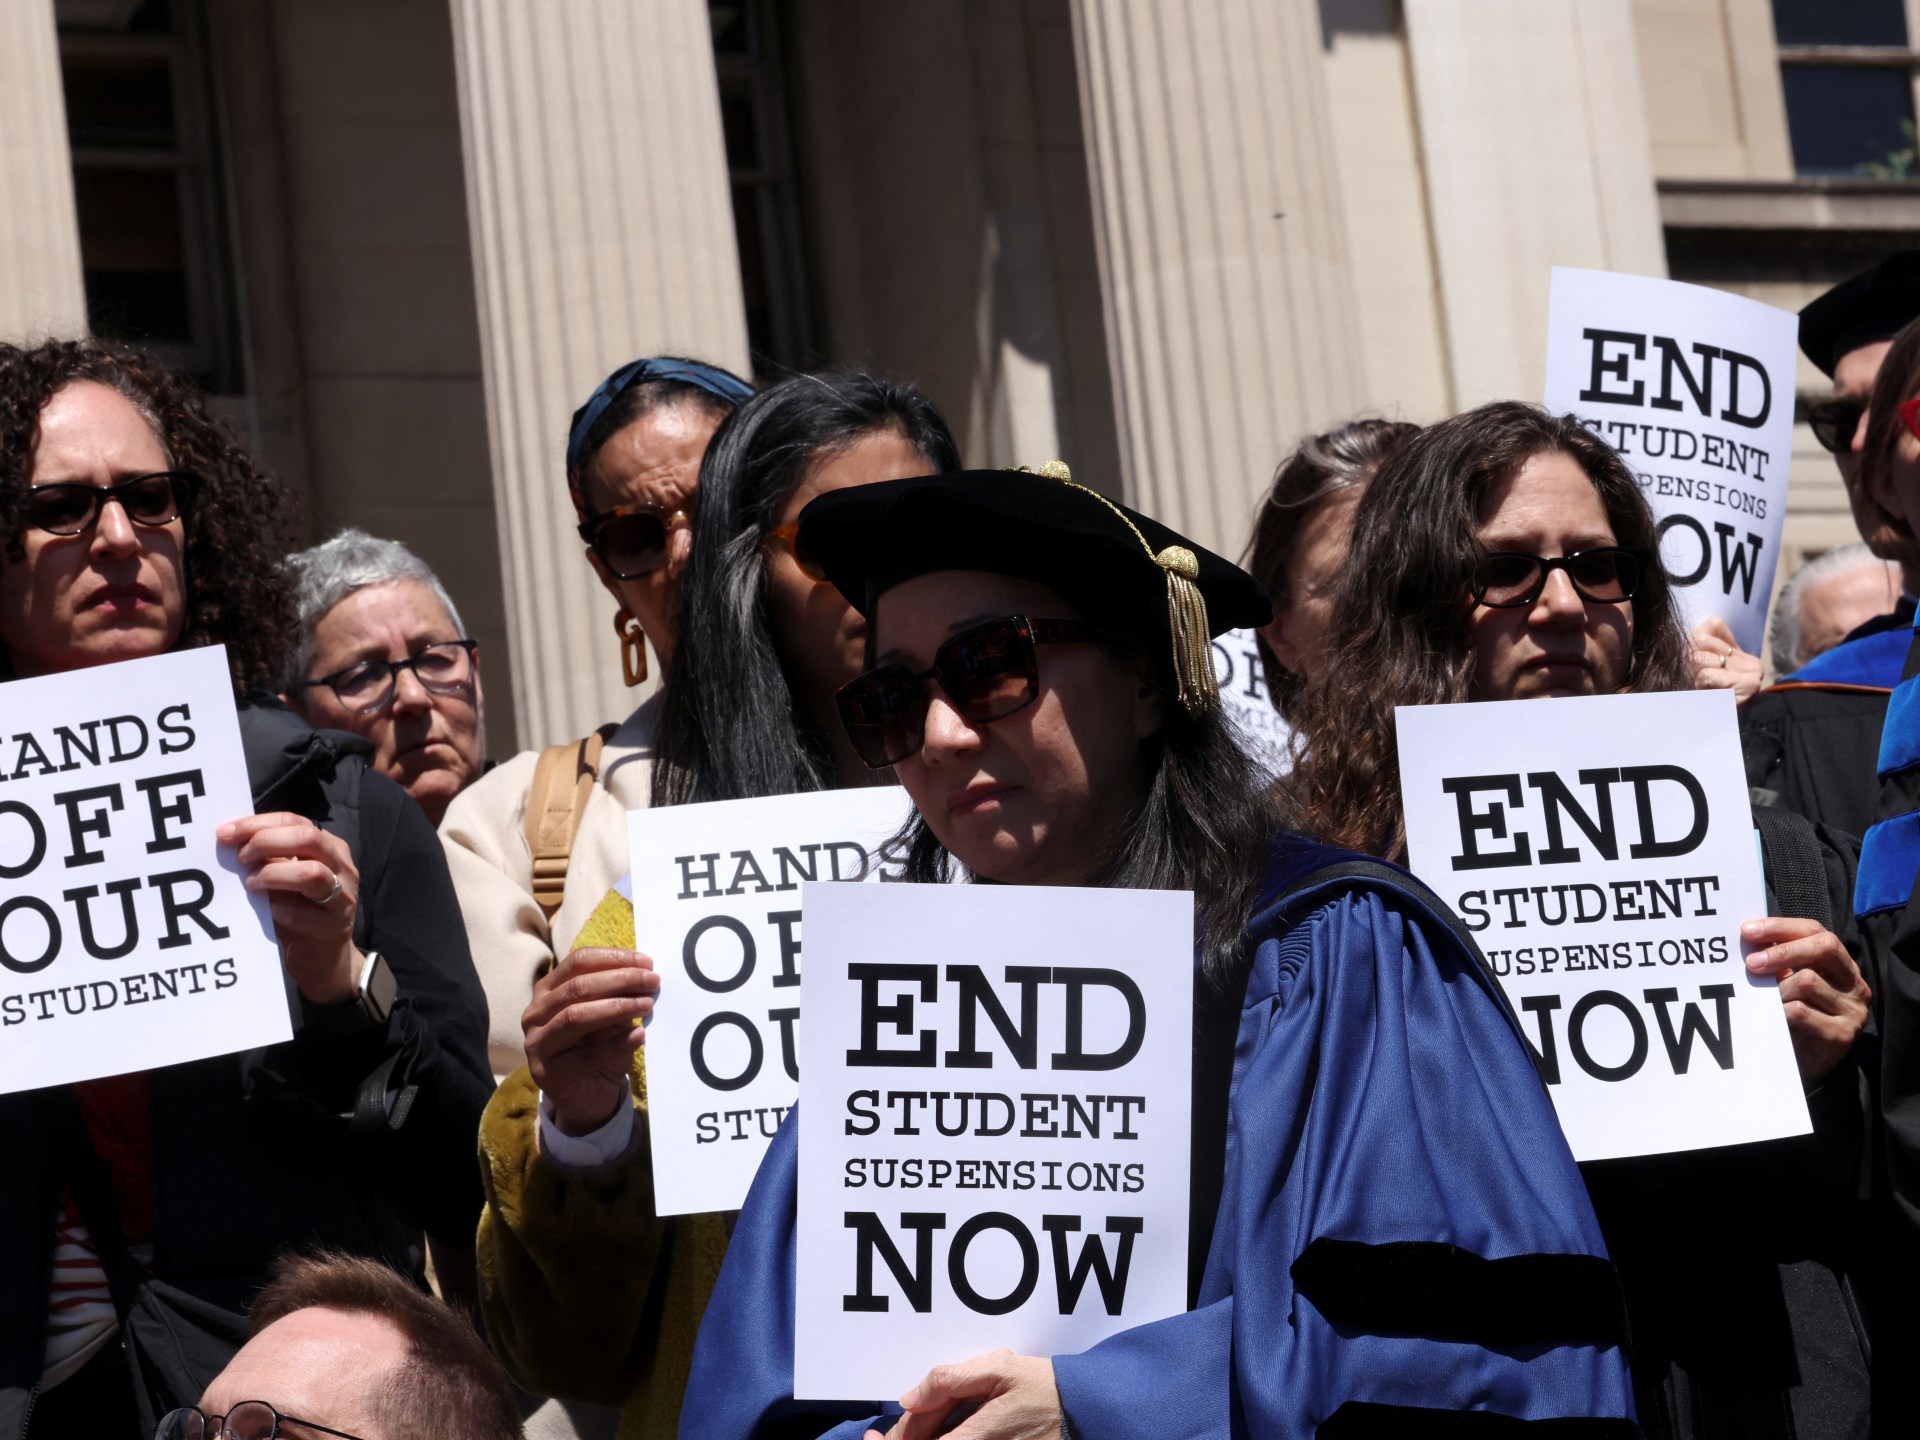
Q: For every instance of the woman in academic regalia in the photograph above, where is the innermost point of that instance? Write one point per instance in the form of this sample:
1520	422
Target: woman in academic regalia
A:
1041	688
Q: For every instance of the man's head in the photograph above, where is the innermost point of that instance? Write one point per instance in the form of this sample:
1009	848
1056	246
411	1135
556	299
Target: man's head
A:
344	1343
1826	599
1846	333
381	652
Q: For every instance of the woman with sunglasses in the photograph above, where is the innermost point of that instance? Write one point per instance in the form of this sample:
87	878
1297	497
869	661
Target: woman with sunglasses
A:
745	711
134	526
1041	688
1506	554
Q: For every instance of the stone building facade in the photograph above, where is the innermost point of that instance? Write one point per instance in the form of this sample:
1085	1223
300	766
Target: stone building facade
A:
401	239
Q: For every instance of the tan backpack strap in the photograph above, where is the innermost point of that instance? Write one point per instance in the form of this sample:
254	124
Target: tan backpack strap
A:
562	780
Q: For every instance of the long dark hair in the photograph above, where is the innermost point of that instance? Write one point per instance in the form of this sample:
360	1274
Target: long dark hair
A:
730	727
1335	462
1400	634
1204	825
240	526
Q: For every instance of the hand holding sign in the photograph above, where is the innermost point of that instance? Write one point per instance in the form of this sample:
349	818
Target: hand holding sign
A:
313	889
1720	664
581	1035
1016	1398
1825	995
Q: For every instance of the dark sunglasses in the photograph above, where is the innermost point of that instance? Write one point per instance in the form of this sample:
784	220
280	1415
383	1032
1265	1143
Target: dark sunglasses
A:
1508	579
1834	422
789	536
631	541
987	673
249	1420
71	508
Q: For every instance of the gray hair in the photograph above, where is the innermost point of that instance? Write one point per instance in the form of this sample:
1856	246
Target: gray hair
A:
1783	630
352	560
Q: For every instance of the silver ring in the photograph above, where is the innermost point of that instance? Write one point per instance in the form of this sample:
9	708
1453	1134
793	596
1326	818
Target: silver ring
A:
328	898
1725	658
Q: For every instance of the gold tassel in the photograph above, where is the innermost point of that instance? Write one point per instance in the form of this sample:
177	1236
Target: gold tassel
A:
1186	606
1187	619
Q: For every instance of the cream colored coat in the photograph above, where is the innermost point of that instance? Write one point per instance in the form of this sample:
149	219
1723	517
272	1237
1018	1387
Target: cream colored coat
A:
486	841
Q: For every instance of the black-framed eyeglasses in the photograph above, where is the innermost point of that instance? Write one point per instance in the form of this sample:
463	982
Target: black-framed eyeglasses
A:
631	540
987	672
1605	575
249	1420
443	668
69	507
1834	422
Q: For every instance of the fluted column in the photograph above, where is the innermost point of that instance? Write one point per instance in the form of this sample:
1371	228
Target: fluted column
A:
1230	312
1533	130
602	229
40	286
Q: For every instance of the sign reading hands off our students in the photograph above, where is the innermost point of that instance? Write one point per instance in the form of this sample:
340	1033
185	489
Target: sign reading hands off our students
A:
1602	851
716	904
994	1128
128	938
1694	388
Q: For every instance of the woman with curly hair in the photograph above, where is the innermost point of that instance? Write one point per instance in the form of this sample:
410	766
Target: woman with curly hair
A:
1509	554
132	524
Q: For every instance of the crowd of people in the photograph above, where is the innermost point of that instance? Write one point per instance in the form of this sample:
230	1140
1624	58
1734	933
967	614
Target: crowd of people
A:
299	1238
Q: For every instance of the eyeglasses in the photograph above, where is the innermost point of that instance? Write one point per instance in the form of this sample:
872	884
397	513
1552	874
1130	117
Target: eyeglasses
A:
71	508
789	535
249	1420
987	672
1835	421
1508	579
444	668
632	540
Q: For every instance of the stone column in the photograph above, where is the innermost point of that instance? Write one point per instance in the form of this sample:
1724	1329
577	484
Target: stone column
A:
1534	133
602	230
1230	306
40	286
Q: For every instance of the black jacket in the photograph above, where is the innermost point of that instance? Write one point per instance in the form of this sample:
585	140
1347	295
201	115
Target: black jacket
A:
259	1152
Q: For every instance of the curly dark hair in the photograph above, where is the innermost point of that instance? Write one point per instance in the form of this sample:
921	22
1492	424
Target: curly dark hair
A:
240	526
1400	634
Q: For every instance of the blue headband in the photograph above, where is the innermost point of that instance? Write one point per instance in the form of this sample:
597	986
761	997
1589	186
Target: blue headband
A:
730	389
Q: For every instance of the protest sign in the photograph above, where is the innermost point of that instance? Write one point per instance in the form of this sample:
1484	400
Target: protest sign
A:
716	904
995	1127
1602	851
128	939
1243	694
1694	388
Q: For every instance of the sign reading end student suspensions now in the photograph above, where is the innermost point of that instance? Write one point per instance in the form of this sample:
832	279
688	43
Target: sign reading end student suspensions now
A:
128	938
994	1125
1602	851
1694	388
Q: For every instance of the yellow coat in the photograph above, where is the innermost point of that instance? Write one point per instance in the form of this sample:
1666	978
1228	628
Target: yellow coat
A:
588	1294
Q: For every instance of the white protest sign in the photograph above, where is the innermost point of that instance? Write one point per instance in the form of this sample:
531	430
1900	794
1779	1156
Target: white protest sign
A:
1602	850
994	1139
1243	693
1694	388
716	904
128	939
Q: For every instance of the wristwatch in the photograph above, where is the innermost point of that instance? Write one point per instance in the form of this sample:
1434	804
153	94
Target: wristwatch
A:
370	1006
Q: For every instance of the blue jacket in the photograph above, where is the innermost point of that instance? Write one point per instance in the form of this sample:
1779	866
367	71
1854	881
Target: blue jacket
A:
1401	1226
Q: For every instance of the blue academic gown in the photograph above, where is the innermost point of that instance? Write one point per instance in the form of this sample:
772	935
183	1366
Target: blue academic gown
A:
1383	1104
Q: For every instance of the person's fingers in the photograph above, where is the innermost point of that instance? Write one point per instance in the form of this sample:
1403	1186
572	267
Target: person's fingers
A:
1775	929
1819	952
1711	630
598	958
577	1024
303	840
311	880
964	1380
586	986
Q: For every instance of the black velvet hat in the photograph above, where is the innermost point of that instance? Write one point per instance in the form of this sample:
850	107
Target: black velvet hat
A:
1115	566
1873	306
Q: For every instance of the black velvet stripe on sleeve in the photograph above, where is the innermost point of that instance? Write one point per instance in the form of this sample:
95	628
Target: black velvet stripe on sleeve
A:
1442	1292
1359	1420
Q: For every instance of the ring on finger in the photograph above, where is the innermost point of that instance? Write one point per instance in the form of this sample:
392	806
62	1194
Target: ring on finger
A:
1725	658
328	898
